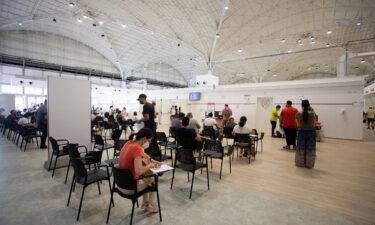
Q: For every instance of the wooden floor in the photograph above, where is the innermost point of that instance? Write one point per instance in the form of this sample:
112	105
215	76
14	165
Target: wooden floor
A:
342	182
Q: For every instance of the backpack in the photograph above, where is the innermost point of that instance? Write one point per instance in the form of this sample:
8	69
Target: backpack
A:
278	134
227	114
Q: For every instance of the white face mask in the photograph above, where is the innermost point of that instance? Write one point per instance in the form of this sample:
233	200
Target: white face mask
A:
146	145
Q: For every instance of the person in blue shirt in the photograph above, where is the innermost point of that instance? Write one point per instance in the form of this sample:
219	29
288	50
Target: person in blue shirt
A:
41	119
12	118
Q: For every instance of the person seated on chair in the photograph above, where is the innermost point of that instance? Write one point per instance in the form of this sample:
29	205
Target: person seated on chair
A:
177	121
25	121
134	158
231	123
254	132
241	129
189	136
211	122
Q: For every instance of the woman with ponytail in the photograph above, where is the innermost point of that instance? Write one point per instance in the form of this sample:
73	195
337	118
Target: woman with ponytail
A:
132	157
305	153
240	127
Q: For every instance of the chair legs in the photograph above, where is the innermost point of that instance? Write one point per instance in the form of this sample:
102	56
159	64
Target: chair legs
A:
110	206
50	162
208	180
192	183
99	188
230	165
173	176
131	218
54	167
67	172
221	167
157	196
80	203
71	190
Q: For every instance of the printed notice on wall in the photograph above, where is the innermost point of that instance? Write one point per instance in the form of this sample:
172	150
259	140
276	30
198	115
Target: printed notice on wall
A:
247	98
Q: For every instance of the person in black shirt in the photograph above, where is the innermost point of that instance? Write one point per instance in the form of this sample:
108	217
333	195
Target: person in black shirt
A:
148	115
186	137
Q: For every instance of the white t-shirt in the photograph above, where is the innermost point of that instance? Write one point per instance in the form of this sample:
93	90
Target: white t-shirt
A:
241	130
210	122
193	125
23	121
371	113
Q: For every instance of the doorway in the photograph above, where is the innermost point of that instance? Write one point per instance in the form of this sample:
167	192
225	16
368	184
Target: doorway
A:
263	110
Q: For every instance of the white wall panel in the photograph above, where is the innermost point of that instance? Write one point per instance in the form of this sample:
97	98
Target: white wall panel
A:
69	104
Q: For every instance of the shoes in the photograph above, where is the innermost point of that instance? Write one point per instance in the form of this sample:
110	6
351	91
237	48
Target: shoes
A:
43	147
152	209
144	205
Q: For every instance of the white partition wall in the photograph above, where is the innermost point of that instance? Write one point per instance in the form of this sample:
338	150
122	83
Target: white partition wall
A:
7	102
69	103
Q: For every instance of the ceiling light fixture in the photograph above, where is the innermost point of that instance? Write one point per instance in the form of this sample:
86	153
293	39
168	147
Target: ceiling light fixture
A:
123	25
101	22
275	75
54	20
85	17
329	32
19	24
359	24
79	20
71	4
217	35
312	42
226	7
289	51
300	42
239	50
363	60
152	32
327	45
283	40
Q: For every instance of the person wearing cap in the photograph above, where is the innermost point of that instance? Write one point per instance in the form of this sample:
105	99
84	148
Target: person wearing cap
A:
42	123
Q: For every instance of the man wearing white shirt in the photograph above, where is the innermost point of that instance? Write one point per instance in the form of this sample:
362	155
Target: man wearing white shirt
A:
210	122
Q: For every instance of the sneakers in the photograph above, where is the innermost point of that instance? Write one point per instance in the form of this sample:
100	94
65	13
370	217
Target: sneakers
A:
152	209
149	207
144	205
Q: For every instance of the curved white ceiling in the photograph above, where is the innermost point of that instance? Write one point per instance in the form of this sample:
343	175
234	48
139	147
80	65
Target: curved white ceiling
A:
180	33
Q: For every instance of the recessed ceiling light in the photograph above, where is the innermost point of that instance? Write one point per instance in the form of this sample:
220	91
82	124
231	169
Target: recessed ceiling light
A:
85	17
79	20
226	7
312	38
19	24
71	4
309	68
152	32
359	24
327	45
312	42
283	40
217	35
289	51
101	22
329	32
239	50
363	60
123	25
275	75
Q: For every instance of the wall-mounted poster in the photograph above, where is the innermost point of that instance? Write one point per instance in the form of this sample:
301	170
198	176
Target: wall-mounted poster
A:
247	98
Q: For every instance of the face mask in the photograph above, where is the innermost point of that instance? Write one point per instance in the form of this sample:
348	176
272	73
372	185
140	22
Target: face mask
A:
140	102
146	145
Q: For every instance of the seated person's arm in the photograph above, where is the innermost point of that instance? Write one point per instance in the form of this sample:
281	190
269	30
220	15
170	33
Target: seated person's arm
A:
198	126
141	169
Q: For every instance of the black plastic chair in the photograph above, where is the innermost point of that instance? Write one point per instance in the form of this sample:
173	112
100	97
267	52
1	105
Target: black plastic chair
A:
243	141
155	153
172	133
228	133
261	142
215	150
124	179
163	142
101	145
28	134
117	142
209	131
85	178
90	158
57	151
186	161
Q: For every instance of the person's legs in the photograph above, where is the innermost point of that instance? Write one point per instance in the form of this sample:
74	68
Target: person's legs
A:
225	122
287	136
43	129
293	137
273	124
368	123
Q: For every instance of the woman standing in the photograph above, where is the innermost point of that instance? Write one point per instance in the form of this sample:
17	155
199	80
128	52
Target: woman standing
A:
305	153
